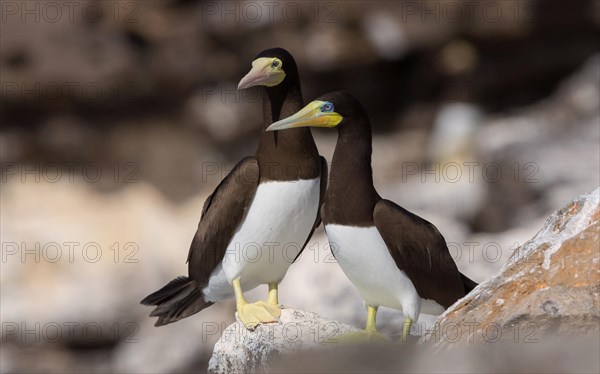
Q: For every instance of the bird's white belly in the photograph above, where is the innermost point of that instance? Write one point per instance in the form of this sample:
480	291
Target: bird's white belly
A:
365	259
269	238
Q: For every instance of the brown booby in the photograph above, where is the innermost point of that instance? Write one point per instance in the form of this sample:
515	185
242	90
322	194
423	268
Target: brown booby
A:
393	257
258	220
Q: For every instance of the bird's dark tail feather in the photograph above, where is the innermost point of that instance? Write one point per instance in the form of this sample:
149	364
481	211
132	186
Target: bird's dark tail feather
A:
468	283
180	298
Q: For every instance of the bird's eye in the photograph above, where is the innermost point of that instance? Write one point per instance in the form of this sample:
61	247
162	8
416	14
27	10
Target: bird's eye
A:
327	107
275	64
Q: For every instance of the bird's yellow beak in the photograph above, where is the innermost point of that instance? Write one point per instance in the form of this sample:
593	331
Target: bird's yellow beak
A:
311	115
265	72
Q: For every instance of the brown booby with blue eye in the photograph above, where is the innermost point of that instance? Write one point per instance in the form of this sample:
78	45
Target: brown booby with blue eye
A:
260	217
392	256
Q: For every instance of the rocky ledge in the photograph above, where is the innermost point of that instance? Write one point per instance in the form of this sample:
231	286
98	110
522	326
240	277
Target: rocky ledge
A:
550	286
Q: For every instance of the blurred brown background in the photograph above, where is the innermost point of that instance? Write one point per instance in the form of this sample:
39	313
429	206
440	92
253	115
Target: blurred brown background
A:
118	118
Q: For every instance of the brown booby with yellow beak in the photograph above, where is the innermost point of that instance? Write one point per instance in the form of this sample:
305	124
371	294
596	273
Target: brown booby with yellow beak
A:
393	257
260	217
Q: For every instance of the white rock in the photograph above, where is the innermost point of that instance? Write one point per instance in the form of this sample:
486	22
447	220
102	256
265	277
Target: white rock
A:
243	351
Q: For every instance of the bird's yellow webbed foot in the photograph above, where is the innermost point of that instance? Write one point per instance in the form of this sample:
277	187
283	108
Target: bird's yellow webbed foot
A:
273	309
272	303
369	334
252	314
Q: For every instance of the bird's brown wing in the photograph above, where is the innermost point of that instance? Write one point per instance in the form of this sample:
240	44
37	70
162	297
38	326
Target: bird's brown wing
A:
420	251
207	203
318	219
222	213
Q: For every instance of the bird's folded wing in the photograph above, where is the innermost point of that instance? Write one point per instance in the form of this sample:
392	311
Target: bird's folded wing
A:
318	219
222	213
420	251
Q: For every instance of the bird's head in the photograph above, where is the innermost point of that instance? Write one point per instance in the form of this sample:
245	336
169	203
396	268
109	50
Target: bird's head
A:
270	68
329	110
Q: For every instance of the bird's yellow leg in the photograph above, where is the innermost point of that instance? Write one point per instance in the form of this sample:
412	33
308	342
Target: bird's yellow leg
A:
251	315
371	319
273	294
370	332
406	329
272	304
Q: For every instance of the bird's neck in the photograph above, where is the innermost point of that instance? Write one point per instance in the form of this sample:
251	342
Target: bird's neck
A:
351	195
289	154
281	101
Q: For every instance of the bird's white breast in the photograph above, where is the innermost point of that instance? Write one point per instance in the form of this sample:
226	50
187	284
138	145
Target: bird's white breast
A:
365	259
270	236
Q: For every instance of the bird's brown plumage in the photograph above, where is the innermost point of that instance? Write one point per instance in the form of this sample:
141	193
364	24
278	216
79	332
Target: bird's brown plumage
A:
279	157
416	245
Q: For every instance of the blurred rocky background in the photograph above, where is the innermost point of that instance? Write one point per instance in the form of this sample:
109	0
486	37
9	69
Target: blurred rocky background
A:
118	118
